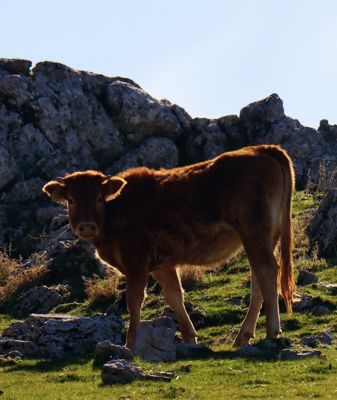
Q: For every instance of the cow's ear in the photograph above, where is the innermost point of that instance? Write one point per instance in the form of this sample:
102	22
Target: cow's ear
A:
113	187
56	191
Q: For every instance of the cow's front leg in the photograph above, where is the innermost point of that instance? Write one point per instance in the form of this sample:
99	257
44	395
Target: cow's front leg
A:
135	294
170	283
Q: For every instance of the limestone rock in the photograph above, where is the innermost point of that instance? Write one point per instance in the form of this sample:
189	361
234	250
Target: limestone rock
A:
288	354
55	335
40	299
323	338
107	350
329	287
265	348
15	66
137	111
24	347
121	371
314	305
155	153
8	167
55	120
322	230
306	277
155	340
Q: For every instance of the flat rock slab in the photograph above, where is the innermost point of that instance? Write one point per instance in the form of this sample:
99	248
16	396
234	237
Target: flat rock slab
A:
122	371
299	355
329	287
59	335
265	348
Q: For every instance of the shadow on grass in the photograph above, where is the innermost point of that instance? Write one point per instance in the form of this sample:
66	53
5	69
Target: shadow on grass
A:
47	365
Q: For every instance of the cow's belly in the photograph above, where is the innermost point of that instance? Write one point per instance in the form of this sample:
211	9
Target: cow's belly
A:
195	245
213	246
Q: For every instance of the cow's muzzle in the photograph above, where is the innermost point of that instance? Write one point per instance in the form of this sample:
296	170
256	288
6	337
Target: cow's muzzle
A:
86	230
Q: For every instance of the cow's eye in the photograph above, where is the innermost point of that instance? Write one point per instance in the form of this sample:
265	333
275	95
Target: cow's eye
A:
70	201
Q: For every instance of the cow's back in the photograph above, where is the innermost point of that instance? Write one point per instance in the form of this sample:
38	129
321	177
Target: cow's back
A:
194	214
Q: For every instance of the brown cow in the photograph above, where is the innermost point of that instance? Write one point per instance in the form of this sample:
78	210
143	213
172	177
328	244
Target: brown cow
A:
145	221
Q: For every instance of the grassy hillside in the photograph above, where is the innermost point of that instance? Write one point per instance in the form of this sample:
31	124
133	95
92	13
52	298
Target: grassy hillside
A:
219	374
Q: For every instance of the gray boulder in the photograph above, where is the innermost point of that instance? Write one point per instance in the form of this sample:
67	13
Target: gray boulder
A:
155	340
137	111
306	277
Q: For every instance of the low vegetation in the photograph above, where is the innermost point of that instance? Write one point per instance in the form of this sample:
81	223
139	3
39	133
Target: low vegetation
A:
222	296
16	278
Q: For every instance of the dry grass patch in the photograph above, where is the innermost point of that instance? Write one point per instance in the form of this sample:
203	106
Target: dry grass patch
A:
16	278
100	290
191	276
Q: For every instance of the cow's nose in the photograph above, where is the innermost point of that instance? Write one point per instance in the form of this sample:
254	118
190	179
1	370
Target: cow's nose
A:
86	230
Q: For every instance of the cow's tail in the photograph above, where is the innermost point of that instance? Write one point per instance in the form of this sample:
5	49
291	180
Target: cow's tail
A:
286	268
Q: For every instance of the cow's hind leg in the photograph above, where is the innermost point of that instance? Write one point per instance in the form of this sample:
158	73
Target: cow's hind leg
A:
264	266
247	330
170	283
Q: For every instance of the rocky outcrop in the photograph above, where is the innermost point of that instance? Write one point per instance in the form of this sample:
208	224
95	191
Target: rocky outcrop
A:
322	230
54	119
52	335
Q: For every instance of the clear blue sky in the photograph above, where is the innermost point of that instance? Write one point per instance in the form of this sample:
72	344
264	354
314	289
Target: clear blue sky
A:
211	57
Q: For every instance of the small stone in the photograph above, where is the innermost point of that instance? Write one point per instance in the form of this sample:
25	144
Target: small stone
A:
323	338
298	355
302	302
306	277
107	350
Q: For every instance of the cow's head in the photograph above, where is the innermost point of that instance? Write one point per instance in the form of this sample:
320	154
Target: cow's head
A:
85	194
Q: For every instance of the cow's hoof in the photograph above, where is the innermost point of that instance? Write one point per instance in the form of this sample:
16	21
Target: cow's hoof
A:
243	338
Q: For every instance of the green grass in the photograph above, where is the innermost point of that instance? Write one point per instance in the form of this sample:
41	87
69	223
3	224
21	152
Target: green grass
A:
221	374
